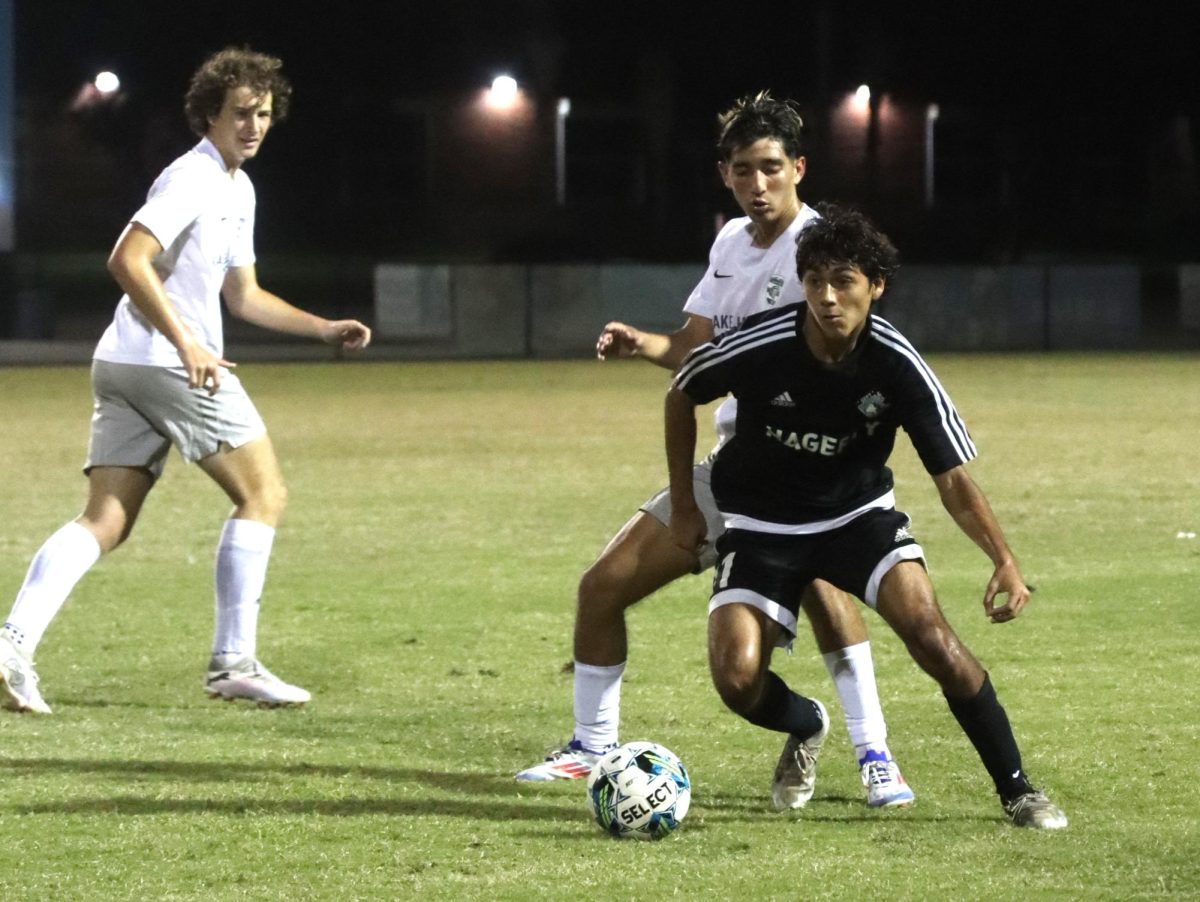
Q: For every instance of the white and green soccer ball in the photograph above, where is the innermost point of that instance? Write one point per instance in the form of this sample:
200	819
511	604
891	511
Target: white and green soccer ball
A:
640	789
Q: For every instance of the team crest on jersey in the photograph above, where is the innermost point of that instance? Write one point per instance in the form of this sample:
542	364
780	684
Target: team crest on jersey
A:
774	289
871	405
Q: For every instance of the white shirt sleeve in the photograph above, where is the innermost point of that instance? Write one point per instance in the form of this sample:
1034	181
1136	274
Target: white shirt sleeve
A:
176	199
701	302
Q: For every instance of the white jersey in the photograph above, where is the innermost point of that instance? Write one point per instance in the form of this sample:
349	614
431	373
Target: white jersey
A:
743	280
204	219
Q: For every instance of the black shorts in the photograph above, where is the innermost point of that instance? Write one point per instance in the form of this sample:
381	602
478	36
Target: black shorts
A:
770	571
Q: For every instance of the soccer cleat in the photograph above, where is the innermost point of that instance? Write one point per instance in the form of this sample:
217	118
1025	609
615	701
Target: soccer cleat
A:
1033	809
18	681
885	784
248	679
796	772
571	762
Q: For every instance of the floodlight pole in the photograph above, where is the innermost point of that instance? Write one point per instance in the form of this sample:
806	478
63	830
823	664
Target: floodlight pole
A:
931	116
560	150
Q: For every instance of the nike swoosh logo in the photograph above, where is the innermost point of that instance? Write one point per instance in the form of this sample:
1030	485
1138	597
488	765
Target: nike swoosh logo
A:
722	275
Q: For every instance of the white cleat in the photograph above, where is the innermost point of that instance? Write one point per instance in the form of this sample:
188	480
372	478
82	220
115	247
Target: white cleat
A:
247	679
1034	810
885	784
796	773
571	762
18	681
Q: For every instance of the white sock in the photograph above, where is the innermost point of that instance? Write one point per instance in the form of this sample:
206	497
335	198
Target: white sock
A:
597	704
58	565
240	573
853	673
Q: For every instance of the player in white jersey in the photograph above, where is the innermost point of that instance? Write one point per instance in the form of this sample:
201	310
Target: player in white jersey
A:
751	268
160	377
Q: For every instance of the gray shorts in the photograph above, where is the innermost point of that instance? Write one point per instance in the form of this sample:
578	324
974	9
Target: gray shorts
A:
140	411
659	507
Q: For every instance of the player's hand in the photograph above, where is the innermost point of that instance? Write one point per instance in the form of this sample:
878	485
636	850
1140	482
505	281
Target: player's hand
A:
349	334
203	367
1006	581
689	530
617	340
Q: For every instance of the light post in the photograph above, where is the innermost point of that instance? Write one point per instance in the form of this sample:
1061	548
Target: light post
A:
560	150
931	116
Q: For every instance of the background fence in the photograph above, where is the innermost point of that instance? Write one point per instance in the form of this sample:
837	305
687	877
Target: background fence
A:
557	310
54	309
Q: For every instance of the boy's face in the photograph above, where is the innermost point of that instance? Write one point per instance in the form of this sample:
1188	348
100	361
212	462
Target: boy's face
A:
763	179
839	298
239	129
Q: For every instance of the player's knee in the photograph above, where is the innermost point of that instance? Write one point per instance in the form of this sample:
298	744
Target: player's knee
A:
271	498
739	689
600	589
936	648
109	531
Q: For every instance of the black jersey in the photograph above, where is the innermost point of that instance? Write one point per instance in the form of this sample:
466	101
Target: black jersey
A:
813	440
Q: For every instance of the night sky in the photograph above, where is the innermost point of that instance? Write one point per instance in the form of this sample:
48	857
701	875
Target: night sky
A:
1117	56
1061	79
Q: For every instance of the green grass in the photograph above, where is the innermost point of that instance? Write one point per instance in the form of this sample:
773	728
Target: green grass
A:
423	588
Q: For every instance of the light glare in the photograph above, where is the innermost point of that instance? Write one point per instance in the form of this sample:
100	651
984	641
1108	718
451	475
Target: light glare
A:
504	90
107	82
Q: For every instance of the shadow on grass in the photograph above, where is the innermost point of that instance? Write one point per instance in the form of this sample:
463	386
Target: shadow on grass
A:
355	806
241	771
538	809
510	800
827	809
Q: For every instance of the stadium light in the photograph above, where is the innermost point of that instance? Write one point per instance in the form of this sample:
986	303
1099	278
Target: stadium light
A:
106	82
504	94
862	98
103	90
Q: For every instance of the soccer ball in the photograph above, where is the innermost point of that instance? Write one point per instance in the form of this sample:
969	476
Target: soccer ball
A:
640	789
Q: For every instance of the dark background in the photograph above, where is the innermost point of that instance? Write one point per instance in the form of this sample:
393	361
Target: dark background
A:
1066	130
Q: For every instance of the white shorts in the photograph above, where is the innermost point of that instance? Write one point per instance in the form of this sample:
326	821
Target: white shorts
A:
659	507
140	411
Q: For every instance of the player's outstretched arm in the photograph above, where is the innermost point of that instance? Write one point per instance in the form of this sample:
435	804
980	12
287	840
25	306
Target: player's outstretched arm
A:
132	265
965	502
618	340
248	300
688	528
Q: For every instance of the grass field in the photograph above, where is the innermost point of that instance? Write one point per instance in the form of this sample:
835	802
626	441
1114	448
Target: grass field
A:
423	588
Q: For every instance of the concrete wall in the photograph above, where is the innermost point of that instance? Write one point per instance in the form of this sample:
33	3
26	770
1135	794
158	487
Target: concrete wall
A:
1189	296
54	310
557	311
535	311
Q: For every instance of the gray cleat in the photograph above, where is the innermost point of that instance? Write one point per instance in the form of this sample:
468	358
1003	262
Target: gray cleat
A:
1033	809
796	772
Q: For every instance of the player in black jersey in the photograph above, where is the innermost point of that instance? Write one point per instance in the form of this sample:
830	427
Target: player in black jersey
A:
822	389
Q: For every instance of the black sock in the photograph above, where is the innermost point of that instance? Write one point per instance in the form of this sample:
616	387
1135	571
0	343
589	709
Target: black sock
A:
986	725
783	710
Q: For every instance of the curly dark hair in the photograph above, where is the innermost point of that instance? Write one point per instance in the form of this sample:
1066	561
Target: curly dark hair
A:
844	235
234	67
761	116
